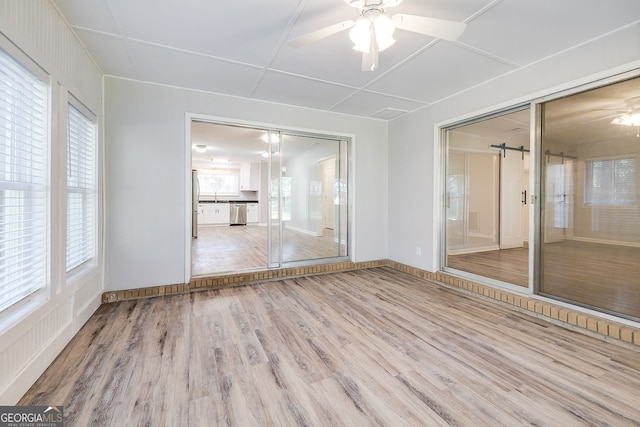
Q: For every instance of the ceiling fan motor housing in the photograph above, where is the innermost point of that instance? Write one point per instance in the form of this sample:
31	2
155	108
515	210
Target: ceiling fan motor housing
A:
373	4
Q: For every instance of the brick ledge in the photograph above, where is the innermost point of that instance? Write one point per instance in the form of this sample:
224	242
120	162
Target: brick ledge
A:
236	279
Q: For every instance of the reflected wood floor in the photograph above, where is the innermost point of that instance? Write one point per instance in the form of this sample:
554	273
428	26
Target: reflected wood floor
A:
593	274
507	265
221	249
228	248
371	347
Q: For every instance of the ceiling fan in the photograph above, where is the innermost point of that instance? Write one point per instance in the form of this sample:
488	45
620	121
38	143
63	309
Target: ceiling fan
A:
373	31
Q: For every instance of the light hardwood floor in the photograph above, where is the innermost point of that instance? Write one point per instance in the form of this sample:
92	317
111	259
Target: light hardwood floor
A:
372	347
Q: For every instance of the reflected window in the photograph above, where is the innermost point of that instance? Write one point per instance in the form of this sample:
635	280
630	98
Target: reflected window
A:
610	182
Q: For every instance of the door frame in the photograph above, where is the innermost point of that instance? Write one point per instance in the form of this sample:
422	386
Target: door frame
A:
350	140
441	190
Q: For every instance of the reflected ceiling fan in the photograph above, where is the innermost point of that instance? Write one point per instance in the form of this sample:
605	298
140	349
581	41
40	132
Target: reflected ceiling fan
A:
632	116
629	117
373	31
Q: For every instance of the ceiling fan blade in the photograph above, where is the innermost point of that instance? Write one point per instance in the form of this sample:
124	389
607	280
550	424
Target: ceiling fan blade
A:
608	118
438	28
320	34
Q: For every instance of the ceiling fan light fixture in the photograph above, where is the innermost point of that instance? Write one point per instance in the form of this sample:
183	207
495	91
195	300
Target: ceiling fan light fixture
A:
384	28
628	119
360	35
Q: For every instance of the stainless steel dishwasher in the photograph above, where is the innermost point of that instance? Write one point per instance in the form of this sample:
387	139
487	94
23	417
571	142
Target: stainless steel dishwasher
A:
237	214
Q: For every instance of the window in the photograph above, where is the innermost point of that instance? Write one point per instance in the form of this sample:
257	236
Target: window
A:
610	182
219	182
81	189
23	181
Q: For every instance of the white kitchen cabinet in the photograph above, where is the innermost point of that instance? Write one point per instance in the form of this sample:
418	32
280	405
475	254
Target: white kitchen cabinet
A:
213	213
253	213
250	177
245	178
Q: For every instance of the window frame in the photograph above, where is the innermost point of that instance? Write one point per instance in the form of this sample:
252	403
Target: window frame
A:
92	261
39	295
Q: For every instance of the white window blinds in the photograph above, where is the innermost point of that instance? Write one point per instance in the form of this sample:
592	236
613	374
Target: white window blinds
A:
81	189
610	182
23	182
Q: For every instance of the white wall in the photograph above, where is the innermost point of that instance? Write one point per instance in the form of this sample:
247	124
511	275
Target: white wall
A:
31	339
146	172
414	159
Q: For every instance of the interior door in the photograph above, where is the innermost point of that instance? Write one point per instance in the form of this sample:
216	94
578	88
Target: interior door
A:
511	171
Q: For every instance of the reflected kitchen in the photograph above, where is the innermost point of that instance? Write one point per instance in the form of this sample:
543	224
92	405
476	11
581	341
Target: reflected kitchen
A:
230	207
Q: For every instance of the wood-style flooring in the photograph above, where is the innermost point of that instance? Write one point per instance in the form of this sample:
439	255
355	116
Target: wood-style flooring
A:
222	249
370	347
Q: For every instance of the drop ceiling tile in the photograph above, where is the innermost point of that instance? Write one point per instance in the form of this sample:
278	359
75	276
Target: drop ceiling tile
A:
94	14
440	71
187	70
110	53
248	31
365	103
524	32
294	90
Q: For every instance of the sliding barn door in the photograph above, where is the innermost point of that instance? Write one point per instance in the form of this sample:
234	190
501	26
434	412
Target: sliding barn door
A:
511	171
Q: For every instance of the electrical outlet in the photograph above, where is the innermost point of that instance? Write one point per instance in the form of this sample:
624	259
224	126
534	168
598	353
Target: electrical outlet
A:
418	250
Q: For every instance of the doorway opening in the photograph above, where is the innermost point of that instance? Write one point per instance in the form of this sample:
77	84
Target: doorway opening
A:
266	198
487	207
